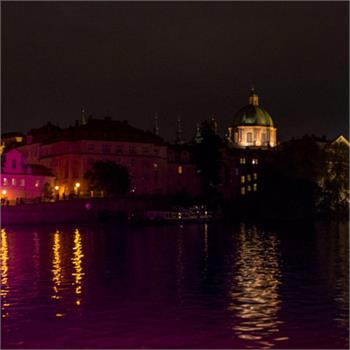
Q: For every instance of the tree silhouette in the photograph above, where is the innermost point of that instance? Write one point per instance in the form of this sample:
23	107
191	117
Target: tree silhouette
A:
110	177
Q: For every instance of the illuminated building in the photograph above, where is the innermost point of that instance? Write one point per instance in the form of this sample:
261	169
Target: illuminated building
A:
252	126
72	151
21	180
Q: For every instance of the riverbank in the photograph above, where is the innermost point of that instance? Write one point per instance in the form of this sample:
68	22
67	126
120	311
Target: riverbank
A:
73	211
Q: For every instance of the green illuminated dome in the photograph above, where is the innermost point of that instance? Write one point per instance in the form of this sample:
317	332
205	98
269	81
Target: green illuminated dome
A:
252	114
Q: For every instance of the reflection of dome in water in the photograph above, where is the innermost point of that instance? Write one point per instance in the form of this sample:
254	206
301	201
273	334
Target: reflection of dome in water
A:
255	295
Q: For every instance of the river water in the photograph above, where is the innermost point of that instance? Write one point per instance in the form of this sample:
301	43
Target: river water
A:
176	286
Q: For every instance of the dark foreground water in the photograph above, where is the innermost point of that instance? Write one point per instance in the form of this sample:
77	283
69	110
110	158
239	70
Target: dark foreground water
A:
190	286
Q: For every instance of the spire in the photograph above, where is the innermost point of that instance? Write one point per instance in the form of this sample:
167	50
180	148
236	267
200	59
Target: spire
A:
156	126
179	139
198	137
83	118
253	98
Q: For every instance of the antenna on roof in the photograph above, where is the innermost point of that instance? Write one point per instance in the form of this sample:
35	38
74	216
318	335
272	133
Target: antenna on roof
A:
156	126
83	118
179	139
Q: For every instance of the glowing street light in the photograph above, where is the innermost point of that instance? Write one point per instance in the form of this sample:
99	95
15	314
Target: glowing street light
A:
57	188
77	185
4	192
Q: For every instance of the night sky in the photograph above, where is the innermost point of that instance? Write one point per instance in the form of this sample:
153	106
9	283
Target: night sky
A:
129	60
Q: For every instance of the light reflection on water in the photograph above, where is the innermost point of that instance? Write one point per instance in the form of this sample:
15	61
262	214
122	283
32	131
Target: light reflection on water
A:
254	294
4	274
195	286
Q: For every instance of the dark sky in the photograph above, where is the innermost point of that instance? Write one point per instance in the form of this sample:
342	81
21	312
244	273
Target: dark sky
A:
129	60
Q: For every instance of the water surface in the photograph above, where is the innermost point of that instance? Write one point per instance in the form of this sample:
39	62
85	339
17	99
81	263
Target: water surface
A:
189	286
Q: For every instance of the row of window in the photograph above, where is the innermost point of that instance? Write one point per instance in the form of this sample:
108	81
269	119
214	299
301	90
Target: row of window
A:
244	161
22	182
249	188
249	177
119	149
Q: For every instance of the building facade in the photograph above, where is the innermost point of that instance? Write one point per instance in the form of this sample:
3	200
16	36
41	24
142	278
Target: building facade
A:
253	126
21	180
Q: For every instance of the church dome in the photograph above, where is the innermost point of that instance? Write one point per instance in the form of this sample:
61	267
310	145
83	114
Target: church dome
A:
252	114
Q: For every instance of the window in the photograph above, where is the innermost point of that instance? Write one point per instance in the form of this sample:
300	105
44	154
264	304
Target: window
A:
13	182
255	161
119	149
249	188
242	161
242	191
255	187
37	183
255	176
249	177
179	169
249	137
106	148
22	182
91	147
13	163
4	181
263	138
155	166
242	179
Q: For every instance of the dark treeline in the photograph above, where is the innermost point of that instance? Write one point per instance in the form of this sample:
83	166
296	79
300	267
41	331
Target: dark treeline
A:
303	178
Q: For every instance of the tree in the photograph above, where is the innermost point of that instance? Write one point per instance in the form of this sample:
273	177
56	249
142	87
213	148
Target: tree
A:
110	177
208	156
48	191
335	180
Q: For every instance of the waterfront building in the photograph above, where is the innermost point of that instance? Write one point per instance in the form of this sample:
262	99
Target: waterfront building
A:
252	126
72	151
21	180
182	173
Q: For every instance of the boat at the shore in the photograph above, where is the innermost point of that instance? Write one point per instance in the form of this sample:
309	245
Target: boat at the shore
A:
194	213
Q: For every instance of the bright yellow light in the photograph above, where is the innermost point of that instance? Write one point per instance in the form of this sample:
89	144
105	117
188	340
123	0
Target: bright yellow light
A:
4	192
77	184
77	265
56	265
179	169
4	270
57	188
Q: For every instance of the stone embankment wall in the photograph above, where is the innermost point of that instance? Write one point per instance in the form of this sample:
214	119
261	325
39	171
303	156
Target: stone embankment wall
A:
76	210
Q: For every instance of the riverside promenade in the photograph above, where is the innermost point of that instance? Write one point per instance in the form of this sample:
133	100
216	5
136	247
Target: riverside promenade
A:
75	210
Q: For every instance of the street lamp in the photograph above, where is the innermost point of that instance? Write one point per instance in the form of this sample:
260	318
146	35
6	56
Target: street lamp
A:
76	188
4	192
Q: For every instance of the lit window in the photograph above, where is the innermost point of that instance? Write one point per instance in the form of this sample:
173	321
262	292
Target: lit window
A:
13	182
255	176
242	161
242	179
37	183
249	137
255	161
155	165
249	177
4	181
243	191
249	188
22	182
179	169
255	187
